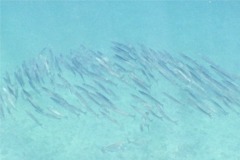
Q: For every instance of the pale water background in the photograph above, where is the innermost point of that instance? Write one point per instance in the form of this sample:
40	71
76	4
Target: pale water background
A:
206	28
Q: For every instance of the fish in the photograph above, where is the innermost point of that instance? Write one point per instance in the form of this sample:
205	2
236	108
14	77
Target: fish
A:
102	87
150	97
34	118
120	68
36	107
219	106
55	114
140	83
2	112
209	114
84	102
172	98
217	69
104	99
63	103
115	147
33	87
9	97
155	115
26	94
193	96
110	118
18	76
7	79
11	91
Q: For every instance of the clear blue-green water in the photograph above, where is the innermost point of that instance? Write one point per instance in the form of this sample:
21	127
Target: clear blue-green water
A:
120	80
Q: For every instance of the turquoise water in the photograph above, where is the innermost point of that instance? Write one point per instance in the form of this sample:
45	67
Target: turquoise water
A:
120	80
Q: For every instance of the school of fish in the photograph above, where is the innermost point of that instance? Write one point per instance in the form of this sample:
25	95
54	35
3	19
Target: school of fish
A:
130	82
